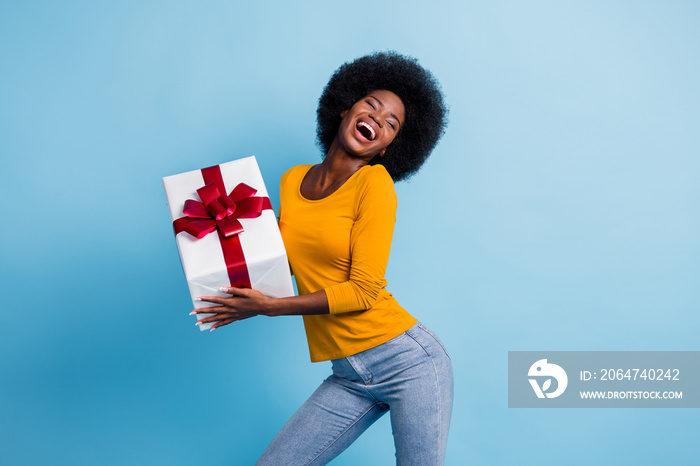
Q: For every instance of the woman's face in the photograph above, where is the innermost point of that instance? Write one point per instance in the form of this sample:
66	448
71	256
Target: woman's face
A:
371	124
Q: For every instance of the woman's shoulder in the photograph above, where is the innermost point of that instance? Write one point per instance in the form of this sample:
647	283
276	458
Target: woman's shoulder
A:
375	177
375	187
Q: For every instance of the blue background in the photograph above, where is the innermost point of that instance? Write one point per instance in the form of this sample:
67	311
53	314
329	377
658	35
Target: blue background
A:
559	212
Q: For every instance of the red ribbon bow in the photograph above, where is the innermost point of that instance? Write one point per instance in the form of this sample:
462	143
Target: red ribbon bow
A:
221	212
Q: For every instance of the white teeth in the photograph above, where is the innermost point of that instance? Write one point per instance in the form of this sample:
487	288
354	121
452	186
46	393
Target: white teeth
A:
369	127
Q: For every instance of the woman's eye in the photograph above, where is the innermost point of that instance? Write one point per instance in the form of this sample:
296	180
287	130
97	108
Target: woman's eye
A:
371	104
391	124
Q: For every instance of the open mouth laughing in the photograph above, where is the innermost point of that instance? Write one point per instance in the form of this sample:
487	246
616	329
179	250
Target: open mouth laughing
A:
366	130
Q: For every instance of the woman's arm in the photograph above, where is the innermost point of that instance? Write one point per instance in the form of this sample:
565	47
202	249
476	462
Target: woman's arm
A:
244	303
370	244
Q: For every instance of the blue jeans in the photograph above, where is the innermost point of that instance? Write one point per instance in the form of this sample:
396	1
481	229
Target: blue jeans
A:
410	376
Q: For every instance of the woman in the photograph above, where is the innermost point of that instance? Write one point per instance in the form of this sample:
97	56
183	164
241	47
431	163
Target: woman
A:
379	118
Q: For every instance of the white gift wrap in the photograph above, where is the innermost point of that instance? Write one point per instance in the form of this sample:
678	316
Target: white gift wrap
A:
202	259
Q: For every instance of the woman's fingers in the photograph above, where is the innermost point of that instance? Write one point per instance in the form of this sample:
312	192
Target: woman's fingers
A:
240	305
220	313
213	310
220	321
223	322
213	299
215	317
226	312
233	291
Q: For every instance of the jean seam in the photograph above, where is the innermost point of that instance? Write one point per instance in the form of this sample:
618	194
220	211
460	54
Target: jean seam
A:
437	391
337	437
423	347
439	409
429	332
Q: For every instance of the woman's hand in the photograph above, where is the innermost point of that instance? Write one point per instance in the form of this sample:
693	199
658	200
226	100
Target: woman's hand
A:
242	304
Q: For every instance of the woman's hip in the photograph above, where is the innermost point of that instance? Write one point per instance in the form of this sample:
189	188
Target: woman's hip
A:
418	352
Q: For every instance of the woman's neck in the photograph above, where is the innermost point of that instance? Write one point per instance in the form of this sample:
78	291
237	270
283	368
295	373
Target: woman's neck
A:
335	169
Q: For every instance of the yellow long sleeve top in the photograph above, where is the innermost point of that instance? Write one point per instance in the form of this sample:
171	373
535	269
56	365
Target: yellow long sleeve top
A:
341	244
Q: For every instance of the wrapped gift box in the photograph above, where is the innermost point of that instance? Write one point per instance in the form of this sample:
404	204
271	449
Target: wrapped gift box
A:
226	231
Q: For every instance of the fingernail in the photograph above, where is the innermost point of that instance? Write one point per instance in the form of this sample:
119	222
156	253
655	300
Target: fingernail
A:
198	322
212	329
197	299
224	289
193	313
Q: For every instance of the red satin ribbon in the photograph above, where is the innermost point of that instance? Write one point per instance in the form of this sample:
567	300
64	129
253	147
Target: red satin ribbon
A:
221	212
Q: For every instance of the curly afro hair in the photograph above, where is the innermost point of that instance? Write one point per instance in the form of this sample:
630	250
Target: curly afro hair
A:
426	113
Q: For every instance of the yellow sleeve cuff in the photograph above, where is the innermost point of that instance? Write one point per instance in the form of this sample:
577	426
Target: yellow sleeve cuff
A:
342	298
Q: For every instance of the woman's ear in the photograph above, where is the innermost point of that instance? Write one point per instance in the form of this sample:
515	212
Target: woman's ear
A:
382	152
343	113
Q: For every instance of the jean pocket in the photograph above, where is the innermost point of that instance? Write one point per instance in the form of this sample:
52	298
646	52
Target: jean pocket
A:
434	337
397	338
